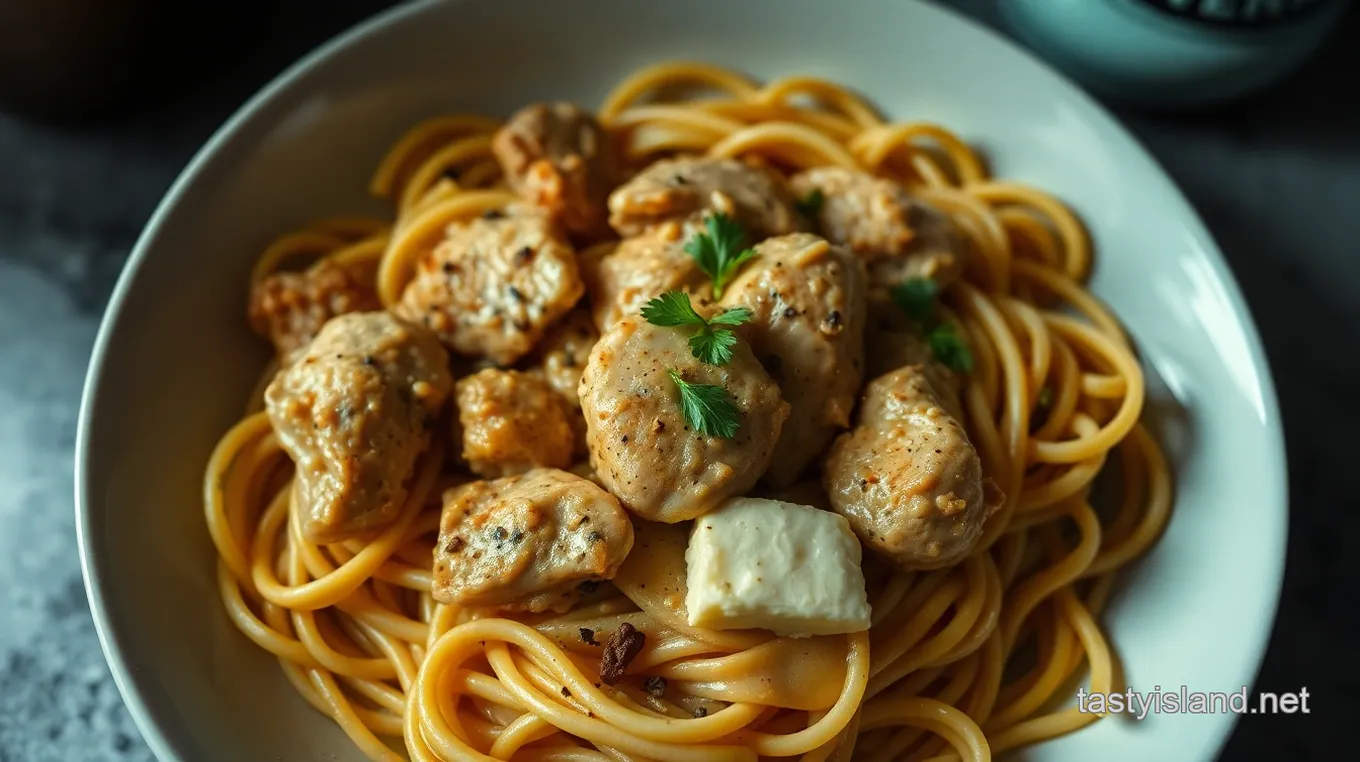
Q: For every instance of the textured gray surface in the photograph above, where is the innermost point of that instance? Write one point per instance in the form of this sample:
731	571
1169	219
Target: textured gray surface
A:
1276	180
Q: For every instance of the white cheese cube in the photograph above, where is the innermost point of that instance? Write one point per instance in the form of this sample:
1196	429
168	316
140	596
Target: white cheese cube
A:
791	569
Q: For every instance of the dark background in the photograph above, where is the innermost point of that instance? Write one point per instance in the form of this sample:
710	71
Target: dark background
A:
1277	180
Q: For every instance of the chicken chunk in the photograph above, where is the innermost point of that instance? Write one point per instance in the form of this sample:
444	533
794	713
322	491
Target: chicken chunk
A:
513	422
355	412
808	302
906	477
640	444
686	189
639	270
289	308
563	353
898	236
532	542
494	285
559	158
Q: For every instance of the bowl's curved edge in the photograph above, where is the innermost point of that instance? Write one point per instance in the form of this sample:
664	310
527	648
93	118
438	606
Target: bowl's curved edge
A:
85	522
90	566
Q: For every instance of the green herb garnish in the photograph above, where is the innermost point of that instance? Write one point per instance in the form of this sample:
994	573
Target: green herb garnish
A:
950	349
917	297
810	206
719	250
710	345
708	409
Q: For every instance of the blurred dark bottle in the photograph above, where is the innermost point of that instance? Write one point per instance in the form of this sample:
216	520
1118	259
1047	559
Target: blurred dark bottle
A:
74	59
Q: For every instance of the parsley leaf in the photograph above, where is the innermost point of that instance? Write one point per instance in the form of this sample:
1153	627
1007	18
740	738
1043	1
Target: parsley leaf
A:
949	348
916	297
713	346
707	408
718	250
710	345
671	308
810	206
734	316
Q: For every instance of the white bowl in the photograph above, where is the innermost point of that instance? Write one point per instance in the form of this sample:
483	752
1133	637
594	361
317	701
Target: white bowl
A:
174	361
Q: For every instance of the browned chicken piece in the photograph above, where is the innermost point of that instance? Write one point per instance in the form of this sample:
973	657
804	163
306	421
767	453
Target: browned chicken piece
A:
686	189
355	412
559	158
289	308
562	355
639	270
494	285
807	297
898	236
512	422
532	542
640	444
906	477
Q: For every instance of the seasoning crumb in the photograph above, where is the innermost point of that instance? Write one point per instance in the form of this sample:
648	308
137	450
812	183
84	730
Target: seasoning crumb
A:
566	693
588	636
655	686
623	646
589	586
500	534
493	214
595	537
700	712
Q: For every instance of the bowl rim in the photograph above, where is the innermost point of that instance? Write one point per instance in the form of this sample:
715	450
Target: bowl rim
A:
91	564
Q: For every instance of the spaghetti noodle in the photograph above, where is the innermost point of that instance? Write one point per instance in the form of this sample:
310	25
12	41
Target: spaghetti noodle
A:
959	663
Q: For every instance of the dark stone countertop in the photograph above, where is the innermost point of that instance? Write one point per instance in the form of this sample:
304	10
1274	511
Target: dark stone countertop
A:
1277	181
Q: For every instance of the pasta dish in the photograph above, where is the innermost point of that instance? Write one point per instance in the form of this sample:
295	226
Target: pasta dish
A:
728	421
